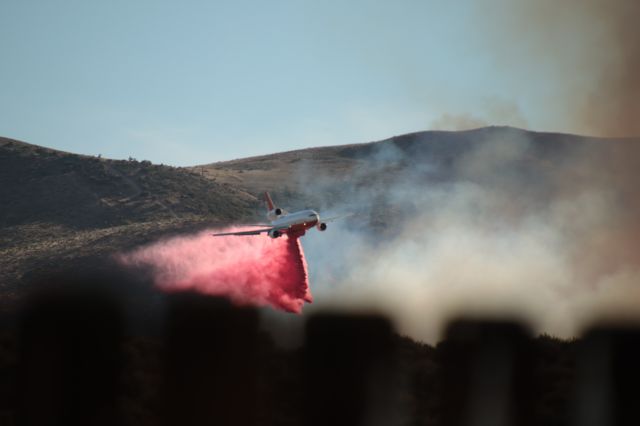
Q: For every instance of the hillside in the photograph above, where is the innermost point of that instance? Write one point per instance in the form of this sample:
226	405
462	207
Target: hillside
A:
58	206
43	185
432	155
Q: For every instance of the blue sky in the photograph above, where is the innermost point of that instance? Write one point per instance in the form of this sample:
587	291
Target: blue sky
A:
194	82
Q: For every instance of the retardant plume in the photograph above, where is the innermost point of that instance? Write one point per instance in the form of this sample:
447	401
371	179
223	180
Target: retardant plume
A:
250	270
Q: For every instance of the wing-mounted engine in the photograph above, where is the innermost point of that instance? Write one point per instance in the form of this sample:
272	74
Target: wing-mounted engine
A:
321	226
274	233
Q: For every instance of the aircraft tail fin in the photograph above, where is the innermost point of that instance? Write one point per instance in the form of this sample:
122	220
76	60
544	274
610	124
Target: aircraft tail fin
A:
267	198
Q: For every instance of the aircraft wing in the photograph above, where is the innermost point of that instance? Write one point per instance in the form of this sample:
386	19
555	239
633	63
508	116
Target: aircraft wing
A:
253	232
331	219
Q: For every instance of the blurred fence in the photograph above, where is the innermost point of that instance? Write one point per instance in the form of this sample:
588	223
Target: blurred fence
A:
69	360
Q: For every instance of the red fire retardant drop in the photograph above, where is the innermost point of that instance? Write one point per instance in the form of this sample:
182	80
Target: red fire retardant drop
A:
250	270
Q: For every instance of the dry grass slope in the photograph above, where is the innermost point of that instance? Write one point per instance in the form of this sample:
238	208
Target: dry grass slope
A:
58	207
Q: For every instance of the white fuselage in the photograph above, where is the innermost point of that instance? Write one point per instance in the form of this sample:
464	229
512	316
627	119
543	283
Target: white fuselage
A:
301	220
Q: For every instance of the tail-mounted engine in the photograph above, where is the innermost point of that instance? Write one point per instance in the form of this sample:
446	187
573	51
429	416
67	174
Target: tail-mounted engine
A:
321	226
275	213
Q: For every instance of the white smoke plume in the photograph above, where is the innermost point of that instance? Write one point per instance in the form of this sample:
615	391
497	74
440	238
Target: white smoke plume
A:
543	230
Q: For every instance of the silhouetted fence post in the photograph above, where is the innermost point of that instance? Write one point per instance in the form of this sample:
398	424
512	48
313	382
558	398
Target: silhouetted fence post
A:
608	390
70	358
349	371
486	374
211	362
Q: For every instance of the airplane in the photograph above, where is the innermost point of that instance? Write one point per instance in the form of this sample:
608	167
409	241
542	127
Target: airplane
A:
282	222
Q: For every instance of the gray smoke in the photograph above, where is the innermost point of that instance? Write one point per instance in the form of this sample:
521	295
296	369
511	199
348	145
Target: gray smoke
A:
502	224
582	56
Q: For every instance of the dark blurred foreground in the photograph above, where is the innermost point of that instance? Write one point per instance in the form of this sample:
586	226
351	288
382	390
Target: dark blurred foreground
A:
72	358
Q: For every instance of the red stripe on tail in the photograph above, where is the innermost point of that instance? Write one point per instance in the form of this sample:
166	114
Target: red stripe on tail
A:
269	201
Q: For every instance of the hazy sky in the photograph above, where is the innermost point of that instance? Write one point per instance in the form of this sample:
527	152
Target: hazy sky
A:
201	81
